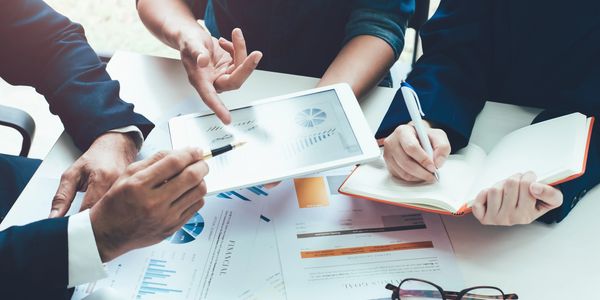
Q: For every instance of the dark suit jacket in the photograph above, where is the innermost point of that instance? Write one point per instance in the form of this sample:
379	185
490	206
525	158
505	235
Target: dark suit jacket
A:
540	53
43	49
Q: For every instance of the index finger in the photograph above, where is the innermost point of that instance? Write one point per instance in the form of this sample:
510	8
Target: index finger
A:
441	146
209	95
170	166
412	147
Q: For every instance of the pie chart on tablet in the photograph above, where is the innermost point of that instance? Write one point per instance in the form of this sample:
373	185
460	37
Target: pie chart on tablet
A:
311	117
189	232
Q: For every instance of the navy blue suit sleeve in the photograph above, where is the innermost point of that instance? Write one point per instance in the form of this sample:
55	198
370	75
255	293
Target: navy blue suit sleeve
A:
451	78
44	49
34	260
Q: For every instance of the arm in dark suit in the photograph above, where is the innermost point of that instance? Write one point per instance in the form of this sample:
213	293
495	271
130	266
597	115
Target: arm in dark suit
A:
451	78
34	260
44	49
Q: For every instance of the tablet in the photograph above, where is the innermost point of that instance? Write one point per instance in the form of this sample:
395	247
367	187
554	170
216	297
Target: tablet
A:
287	136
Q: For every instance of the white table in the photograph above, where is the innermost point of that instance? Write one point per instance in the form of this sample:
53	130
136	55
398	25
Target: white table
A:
536	261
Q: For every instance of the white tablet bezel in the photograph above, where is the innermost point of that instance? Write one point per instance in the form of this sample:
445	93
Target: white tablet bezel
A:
359	126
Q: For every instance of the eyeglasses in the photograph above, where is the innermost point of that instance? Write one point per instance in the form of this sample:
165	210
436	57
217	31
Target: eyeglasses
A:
418	289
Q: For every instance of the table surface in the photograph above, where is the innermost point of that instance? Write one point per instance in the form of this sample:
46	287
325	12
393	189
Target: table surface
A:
536	261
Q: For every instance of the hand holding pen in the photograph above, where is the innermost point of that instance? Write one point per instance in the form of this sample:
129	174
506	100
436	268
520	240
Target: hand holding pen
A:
414	152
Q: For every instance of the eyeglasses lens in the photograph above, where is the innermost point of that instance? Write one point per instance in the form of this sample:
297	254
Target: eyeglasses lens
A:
418	290
483	294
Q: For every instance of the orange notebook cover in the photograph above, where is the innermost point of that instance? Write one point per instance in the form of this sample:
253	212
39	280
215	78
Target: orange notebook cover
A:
375	183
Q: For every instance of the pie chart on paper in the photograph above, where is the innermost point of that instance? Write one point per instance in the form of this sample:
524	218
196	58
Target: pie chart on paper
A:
189	232
311	117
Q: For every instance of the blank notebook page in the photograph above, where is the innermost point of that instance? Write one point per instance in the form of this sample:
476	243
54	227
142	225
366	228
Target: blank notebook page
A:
549	149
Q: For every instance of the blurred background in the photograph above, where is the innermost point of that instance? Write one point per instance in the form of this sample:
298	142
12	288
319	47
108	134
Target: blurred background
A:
110	25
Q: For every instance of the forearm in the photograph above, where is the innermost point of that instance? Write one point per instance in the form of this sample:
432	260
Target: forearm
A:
168	20
362	63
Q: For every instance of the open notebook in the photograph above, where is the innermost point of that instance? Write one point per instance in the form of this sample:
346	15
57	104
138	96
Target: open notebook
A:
555	150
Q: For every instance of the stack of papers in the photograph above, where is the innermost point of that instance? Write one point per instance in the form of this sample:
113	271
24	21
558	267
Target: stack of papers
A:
299	240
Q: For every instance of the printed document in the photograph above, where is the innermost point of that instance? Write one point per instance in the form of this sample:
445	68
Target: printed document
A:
335	247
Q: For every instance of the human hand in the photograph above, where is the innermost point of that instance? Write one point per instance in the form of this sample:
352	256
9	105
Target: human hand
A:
406	159
215	65
149	202
94	172
516	200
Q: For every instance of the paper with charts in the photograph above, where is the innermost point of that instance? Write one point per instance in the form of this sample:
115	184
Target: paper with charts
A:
282	136
208	258
335	247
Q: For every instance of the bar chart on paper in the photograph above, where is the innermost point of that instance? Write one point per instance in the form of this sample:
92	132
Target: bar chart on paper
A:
157	281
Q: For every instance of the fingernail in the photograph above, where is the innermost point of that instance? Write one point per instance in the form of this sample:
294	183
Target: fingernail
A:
536	189
54	213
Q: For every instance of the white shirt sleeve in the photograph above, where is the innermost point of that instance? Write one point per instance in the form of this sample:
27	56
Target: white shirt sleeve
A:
85	264
137	134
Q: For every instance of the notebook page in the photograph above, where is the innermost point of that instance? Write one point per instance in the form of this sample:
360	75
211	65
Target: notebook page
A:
456	177
548	149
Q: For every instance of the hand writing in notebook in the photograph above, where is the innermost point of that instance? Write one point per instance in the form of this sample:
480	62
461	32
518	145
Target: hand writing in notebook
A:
407	160
516	200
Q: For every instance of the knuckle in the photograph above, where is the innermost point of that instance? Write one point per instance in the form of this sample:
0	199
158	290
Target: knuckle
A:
411	148
130	170
161	154
174	161
495	192
511	183
403	127
203	189
194	175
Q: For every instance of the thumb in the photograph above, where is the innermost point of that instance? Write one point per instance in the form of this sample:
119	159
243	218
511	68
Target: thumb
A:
65	194
196	52
551	197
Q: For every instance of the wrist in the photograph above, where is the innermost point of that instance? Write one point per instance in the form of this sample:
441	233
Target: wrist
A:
107	244
125	143
185	33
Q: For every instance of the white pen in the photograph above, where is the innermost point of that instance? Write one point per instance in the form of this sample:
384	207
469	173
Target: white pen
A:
416	112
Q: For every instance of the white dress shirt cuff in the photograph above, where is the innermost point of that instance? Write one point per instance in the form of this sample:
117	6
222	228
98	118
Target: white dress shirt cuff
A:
85	264
135	132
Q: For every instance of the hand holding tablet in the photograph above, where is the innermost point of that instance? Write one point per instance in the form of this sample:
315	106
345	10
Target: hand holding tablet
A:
287	136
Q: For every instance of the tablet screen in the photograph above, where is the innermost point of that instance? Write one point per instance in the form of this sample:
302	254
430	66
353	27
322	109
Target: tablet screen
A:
281	136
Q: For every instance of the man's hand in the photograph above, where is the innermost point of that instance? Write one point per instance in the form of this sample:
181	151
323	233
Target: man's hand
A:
94	172
215	65
149	202
406	159
516	200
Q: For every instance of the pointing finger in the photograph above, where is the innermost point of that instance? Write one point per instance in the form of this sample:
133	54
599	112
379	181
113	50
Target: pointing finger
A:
209	95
